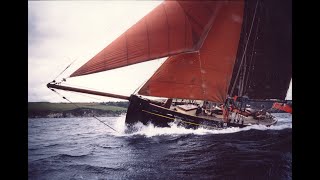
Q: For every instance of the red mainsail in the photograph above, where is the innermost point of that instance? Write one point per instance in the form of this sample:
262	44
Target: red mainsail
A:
205	74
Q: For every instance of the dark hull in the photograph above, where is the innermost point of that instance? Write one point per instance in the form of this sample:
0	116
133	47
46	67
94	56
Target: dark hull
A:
142	110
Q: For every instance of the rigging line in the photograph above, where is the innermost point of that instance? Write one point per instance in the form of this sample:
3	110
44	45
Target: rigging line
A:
65	68
252	55
80	107
151	75
134	92
245	48
244	74
202	82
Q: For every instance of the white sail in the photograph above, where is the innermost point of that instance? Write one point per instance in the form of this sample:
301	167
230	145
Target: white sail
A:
289	92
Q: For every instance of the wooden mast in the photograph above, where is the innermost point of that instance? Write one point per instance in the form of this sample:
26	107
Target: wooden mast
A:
68	88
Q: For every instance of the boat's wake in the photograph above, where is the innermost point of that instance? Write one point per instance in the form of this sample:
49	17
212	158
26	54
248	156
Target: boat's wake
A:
284	122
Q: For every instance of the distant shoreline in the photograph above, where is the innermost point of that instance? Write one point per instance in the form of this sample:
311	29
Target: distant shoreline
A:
67	110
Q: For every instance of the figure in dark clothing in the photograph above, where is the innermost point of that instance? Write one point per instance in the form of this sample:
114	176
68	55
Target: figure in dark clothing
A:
261	114
168	103
199	110
244	101
241	102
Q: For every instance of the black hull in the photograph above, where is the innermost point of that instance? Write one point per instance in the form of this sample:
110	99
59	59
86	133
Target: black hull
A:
142	110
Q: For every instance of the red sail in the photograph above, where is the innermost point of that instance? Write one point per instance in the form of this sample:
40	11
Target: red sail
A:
171	28
206	74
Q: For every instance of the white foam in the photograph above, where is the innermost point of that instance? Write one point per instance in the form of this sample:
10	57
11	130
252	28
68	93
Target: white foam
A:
150	130
119	124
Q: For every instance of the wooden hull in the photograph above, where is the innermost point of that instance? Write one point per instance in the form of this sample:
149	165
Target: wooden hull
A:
144	111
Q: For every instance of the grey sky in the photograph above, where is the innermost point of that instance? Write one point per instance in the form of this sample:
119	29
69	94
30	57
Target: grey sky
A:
62	31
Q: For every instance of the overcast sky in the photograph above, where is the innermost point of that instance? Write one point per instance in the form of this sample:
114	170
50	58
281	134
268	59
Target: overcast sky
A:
62	31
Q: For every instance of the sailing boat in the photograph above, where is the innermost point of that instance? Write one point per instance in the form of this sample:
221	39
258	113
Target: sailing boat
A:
211	49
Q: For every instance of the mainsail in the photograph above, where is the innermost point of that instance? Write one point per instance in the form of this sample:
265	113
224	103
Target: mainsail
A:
266	69
213	52
214	49
171	28
204	74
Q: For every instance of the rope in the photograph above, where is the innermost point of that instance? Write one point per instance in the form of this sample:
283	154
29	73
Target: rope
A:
80	107
65	69
245	49
247	83
135	91
243	76
202	80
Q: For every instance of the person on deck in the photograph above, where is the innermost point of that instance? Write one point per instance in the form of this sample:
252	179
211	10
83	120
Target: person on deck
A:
167	103
199	110
244	101
225	112
240	102
261	113
205	107
263	110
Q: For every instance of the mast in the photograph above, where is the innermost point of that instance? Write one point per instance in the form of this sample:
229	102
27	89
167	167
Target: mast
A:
73	89
266	70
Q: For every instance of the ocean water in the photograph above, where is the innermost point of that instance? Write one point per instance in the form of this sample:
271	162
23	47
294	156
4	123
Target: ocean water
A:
84	148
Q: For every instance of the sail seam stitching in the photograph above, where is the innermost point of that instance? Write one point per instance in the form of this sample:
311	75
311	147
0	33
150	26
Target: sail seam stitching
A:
165	12
145	22
125	35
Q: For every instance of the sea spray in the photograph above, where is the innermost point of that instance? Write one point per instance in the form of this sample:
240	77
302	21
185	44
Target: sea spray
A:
150	130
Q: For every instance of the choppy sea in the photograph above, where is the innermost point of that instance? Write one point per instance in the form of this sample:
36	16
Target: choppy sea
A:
84	148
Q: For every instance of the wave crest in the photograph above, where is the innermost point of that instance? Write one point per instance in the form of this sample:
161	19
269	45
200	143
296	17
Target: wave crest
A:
284	122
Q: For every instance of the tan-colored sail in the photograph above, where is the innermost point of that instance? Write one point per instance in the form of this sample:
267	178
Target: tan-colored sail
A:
171	28
204	74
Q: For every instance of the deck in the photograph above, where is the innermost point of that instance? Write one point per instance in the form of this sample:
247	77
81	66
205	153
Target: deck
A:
235	118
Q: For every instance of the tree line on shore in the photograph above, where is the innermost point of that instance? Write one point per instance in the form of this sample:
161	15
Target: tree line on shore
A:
60	110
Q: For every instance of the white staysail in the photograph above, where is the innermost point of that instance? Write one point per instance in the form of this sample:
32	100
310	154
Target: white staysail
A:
289	92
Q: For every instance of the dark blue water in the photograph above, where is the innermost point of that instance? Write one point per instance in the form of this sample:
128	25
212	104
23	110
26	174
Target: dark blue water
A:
84	148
